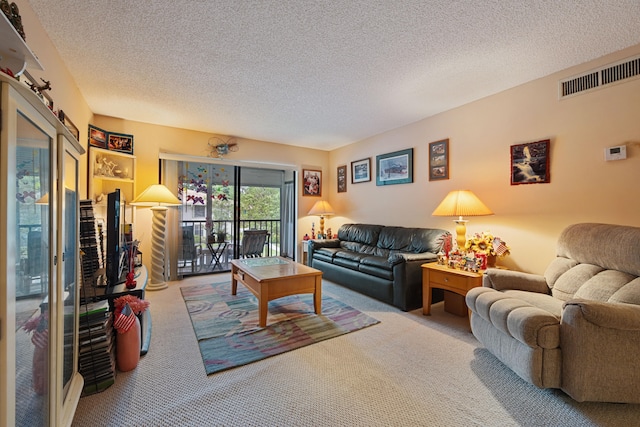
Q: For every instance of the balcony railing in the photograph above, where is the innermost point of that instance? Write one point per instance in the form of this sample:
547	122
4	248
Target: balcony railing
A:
202	261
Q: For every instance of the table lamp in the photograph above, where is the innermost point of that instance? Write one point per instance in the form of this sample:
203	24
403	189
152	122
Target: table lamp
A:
322	209
158	197
461	203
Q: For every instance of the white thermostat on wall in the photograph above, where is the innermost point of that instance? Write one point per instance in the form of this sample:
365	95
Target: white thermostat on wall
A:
615	153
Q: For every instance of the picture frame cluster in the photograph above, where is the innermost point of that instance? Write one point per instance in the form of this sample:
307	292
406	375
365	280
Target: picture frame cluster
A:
530	164
112	141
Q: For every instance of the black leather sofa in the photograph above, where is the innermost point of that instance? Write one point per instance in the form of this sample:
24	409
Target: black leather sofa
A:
379	261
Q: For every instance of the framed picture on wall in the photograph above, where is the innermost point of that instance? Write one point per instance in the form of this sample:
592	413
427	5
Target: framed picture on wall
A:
312	182
342	179
395	168
97	137
120	142
439	160
530	163
66	121
361	170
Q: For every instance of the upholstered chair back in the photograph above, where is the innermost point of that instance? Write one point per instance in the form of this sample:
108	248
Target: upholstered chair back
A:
598	262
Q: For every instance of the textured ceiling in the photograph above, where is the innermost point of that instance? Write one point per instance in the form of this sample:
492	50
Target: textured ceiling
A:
319	74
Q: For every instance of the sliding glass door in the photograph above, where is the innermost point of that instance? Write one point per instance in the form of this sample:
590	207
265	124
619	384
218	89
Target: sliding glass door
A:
220	202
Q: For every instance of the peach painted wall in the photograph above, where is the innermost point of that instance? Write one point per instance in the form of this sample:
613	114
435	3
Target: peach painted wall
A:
150	140
529	217
583	187
64	91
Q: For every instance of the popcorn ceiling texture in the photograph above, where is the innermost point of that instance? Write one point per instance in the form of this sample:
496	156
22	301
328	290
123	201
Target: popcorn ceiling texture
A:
320	74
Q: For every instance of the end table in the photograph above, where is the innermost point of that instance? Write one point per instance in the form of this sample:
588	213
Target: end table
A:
439	276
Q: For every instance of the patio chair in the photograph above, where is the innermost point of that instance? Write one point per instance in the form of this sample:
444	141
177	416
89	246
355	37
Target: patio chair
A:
190	252
253	242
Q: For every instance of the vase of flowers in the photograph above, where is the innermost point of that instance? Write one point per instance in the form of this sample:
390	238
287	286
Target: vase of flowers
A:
127	325
488	247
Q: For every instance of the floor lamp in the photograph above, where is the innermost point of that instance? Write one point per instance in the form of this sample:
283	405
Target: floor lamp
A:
461	203
158	197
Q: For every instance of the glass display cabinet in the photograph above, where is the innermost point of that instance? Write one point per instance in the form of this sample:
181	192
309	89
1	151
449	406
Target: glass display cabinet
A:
39	262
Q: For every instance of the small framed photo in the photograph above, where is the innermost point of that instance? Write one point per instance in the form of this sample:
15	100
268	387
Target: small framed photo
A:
312	182
69	124
361	170
97	137
530	163
439	160
342	179
395	168
120	142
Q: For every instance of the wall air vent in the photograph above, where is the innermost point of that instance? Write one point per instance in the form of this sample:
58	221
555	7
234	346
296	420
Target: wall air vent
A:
609	74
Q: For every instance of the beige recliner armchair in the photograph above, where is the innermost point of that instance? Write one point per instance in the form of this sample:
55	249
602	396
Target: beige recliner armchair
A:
576	328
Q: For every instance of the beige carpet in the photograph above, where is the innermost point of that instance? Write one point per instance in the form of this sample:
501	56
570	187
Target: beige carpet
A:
409	370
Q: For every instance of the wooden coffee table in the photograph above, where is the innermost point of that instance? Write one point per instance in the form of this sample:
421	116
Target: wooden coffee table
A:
276	277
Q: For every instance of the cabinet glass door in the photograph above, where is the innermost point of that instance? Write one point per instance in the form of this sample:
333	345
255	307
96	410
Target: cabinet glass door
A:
68	282
33	271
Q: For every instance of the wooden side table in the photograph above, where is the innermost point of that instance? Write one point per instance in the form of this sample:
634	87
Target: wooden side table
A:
449	279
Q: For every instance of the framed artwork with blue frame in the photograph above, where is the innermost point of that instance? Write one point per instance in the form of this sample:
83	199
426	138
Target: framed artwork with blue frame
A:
395	168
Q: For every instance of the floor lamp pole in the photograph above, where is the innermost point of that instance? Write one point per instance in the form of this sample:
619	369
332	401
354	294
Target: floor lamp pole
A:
158	233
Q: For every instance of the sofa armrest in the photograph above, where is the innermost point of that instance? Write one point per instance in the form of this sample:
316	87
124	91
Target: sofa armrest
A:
314	245
325	243
501	280
623	317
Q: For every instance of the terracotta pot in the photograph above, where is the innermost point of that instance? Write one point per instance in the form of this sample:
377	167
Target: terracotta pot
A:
128	347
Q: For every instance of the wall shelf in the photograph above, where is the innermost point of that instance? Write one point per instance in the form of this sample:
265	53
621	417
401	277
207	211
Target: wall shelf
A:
14	52
109	170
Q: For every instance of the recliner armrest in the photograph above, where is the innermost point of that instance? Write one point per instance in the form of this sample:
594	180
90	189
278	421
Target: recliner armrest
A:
501	280
624	317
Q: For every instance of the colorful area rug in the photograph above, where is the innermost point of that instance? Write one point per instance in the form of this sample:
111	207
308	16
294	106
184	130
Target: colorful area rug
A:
228	334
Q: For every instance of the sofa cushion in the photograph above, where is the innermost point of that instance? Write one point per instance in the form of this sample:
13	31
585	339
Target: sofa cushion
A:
628	294
360	233
383	273
569	282
329	252
364	249
352	256
531	325
543	301
348	263
377	261
602	286
411	240
613	247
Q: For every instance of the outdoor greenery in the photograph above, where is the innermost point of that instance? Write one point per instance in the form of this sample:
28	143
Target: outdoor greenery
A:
260	203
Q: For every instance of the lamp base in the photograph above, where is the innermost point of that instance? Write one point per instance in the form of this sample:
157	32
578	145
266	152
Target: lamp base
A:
158	230
156	286
461	233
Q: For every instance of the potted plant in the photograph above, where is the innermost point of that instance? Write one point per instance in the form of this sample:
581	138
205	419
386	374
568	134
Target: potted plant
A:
211	235
221	234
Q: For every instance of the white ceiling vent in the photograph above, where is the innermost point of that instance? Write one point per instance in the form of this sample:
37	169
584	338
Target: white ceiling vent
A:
609	74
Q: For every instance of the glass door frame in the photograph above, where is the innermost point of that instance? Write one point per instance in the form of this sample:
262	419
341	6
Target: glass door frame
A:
169	176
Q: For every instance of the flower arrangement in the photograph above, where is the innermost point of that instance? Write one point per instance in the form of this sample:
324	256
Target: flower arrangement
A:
138	306
126	308
487	244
